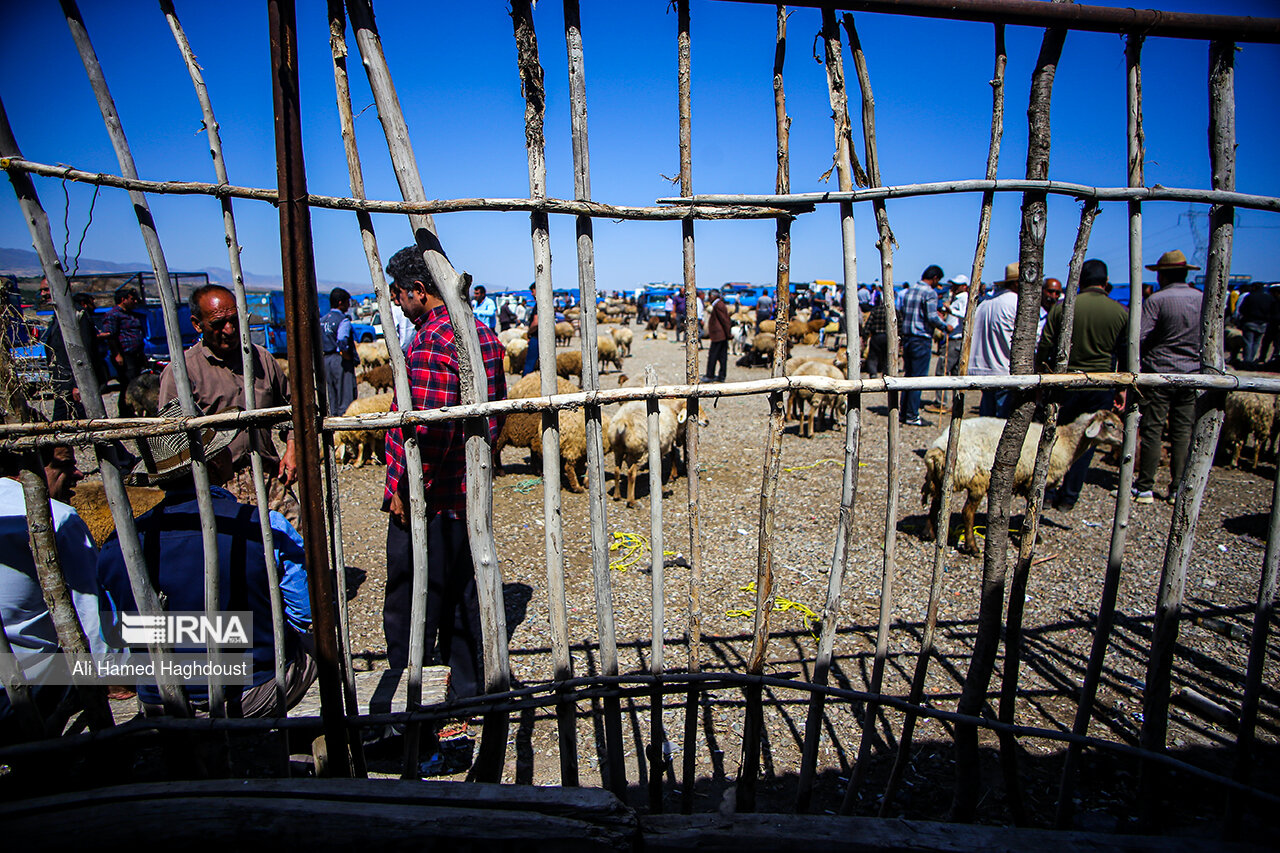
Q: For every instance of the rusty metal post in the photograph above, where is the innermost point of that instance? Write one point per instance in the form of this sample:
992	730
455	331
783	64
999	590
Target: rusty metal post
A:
302	324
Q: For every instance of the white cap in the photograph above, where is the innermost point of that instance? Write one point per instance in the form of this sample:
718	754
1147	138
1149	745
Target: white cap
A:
960	279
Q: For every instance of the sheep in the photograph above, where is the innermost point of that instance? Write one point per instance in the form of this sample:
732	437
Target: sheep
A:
506	336
629	436
622	336
569	363
142	398
979	438
767	327
524	429
805	330
90	502
607	351
380	378
362	444
564	333
652	324
517	349
820	402
1248	413
373	354
762	349
284	365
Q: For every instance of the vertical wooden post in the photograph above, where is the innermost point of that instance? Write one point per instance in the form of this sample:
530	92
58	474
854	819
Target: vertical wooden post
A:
1204	437
889	568
304	361
1124	500
657	734
1000	493
942	514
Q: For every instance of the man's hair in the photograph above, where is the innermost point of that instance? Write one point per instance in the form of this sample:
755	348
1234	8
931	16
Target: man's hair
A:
407	266
481	288
198	295
84	299
1093	273
338	296
123	293
11	460
933	272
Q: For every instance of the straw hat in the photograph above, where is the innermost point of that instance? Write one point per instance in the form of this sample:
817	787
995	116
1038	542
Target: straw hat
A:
1172	260
166	457
1010	273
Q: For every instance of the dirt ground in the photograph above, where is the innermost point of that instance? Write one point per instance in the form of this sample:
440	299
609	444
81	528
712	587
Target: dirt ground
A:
1063	595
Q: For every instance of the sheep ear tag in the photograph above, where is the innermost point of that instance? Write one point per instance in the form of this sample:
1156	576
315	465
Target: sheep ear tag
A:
682	417
1092	430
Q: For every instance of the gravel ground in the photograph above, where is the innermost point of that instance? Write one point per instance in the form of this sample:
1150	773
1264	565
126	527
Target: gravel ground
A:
1062	597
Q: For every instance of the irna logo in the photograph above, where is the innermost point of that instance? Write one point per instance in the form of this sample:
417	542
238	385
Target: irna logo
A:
229	629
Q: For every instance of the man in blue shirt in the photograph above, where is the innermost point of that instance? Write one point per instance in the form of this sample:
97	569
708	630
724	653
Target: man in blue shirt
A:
485	309
339	348
918	317
171	539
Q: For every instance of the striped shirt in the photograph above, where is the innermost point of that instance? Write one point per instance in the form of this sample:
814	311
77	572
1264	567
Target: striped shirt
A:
432	362
919	311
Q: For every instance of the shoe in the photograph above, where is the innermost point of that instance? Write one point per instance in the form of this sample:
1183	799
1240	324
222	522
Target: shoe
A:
1064	505
936	409
1144	498
917	421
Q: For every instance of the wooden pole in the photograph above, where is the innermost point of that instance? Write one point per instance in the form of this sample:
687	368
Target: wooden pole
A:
298	272
657	734
692	428
168	300
942	515
1120	522
889	568
531	84
1000	493
1204	437
246	345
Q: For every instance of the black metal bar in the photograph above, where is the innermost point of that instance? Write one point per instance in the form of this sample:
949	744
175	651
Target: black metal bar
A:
301	321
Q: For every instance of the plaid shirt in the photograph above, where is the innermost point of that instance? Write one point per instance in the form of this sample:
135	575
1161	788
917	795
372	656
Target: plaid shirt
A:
432	362
125	330
918	311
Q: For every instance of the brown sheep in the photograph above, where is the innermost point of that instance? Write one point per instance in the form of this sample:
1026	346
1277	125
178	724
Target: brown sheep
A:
524	429
607	351
768	327
564	333
380	378
569	363
517	349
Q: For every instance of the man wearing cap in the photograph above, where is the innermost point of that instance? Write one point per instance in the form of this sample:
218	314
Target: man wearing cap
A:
919	317
339	348
453	608
171	538
214	367
1170	343
1097	346
990	352
957	306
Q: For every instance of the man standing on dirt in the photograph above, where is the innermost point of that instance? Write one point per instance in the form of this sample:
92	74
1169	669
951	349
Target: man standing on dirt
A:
920	316
453	610
214	367
126	329
339	348
718	332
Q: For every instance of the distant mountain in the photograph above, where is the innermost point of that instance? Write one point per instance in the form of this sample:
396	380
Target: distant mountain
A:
25	263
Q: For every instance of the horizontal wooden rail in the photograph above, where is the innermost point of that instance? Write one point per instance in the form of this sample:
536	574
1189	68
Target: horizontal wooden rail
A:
1101	19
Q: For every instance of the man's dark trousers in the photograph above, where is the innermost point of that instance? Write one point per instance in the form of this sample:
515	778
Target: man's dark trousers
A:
453	611
718	354
916	350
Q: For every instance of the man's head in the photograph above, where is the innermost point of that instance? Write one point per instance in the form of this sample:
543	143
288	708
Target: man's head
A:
46	295
480	292
960	284
1050	293
1093	274
340	299
126	297
213	314
715	294
1172	268
60	471
932	274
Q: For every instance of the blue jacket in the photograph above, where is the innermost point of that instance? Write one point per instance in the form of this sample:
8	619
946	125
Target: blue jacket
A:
170	536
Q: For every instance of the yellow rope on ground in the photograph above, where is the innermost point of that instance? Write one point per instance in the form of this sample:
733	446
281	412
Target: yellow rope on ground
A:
821	462
636	546
780	605
979	532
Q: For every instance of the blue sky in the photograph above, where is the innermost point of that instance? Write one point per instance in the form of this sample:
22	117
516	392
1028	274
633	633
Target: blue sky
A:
455	69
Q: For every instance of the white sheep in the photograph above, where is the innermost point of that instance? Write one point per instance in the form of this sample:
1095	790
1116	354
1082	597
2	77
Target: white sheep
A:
1249	413
622	336
362	444
820	402
976	456
373	354
517	350
629	435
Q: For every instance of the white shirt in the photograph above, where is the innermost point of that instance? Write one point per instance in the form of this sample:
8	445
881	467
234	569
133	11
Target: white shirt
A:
955	315
27	622
404	327
993	335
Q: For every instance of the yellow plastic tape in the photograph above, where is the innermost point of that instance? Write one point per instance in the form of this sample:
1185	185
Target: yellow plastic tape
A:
636	546
839	462
780	605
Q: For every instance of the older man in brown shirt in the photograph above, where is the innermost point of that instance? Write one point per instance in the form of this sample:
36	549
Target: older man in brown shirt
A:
214	369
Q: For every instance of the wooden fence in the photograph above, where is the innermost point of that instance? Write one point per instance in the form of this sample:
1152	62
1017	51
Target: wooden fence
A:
1000	617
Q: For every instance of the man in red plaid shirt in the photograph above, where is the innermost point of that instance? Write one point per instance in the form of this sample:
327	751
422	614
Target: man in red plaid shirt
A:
453	611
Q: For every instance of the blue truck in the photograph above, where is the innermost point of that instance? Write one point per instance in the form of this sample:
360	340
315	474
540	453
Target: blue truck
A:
267	323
